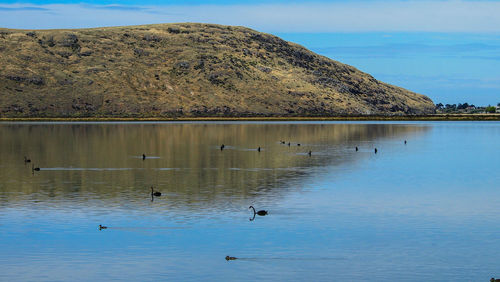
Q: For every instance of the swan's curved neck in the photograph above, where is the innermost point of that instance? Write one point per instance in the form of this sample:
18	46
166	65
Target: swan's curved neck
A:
251	207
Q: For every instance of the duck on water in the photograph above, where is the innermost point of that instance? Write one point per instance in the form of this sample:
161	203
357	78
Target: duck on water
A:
261	212
155	193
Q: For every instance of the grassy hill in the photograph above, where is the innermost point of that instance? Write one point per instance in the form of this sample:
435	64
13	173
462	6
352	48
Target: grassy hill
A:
183	70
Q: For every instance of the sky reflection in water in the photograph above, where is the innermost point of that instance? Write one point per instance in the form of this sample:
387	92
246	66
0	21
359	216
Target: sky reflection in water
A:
428	210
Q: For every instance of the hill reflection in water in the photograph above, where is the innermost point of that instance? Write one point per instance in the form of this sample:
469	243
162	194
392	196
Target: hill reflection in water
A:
97	165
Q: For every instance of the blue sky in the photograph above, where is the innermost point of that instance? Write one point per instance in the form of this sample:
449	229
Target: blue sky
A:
446	49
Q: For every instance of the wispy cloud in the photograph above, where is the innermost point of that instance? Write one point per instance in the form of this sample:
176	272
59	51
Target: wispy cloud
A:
23	8
446	89
116	7
464	51
352	16
445	81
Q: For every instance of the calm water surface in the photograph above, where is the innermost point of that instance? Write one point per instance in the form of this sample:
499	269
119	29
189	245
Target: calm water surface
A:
425	211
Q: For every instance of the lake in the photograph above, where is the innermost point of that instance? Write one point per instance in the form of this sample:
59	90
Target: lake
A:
428	210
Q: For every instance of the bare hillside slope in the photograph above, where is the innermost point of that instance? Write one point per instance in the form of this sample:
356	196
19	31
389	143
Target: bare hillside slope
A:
188	70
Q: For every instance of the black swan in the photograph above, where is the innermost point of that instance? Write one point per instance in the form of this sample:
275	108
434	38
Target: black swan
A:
155	193
261	212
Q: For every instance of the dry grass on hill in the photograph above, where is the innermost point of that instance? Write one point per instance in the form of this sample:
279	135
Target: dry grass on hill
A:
183	70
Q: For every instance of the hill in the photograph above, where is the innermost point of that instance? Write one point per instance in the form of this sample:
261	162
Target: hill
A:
183	70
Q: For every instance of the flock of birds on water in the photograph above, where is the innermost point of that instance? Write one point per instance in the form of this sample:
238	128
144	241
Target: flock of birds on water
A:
255	212
284	143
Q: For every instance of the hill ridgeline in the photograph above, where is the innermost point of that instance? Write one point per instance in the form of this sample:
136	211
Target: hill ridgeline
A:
183	70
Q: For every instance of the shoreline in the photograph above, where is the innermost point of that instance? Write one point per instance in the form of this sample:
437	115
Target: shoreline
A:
435	117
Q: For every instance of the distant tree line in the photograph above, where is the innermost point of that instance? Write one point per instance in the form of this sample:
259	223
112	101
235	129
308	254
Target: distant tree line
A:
466	108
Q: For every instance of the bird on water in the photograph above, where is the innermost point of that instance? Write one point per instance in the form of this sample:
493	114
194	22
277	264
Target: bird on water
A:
222	147
143	156
357	149
376	150
258	149
261	212
102	227
33	168
494	280
310	153
231	258
405	142
155	193
26	160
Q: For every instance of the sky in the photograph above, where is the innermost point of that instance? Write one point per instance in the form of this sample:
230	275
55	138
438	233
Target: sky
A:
448	50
